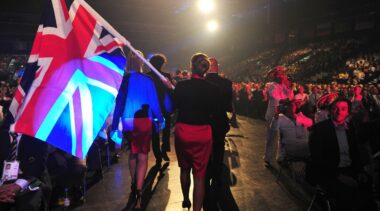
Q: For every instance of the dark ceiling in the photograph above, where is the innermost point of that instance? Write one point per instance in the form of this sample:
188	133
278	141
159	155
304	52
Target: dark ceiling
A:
151	25
175	27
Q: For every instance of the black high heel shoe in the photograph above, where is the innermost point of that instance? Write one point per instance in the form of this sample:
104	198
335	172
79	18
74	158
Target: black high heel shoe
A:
138	204
186	204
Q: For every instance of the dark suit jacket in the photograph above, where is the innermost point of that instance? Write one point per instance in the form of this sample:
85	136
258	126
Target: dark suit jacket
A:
324	151
162	90
221	122
32	155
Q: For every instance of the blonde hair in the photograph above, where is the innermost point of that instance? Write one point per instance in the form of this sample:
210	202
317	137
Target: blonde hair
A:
134	62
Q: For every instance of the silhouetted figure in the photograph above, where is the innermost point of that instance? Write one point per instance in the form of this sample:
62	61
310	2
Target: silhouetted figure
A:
220	127
164	97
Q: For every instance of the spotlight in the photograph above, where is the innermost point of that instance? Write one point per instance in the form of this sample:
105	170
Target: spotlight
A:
212	25
206	6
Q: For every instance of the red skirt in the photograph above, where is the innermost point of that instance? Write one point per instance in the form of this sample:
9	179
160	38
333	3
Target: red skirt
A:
140	135
193	144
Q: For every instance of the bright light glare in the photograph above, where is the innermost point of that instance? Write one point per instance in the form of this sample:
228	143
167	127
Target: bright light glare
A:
206	6
212	25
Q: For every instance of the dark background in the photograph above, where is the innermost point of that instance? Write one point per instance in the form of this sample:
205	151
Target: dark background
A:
176	28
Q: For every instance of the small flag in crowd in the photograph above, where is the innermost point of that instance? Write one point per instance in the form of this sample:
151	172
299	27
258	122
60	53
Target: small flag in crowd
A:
72	78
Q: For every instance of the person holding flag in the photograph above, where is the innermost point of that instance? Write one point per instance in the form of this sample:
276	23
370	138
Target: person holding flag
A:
136	105
164	96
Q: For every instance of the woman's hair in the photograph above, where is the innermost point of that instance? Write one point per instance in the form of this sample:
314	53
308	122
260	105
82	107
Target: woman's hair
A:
199	64
134	62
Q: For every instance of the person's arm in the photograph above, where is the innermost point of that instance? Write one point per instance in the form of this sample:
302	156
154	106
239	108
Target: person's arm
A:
175	97
154	102
118	111
119	106
276	122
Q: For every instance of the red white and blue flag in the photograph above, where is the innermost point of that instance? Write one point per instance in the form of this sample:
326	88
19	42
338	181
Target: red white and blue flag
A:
72	78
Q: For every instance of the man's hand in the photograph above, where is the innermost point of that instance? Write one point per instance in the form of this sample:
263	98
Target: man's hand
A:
8	192
168	84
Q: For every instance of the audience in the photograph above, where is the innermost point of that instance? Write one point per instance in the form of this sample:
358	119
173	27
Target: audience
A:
336	163
293	127
323	73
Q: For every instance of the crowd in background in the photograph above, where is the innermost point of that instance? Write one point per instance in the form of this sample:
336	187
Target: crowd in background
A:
345	61
250	99
346	68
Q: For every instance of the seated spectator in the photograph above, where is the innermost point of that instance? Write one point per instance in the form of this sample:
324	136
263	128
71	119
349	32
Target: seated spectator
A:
335	162
293	131
31	189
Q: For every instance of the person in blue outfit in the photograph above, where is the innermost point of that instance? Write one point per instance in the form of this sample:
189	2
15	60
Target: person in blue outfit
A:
136	106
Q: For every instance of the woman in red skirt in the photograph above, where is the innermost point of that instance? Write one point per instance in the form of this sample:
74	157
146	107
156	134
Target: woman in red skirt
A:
196	101
136	105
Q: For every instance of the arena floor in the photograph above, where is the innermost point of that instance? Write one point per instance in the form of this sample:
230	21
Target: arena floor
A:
251	185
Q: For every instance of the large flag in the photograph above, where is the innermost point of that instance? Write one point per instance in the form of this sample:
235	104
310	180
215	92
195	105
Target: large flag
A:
72	78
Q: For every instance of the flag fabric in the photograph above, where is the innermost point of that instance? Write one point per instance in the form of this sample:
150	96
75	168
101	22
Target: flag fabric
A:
72	77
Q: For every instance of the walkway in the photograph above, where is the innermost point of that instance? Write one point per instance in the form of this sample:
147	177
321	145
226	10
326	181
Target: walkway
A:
252	186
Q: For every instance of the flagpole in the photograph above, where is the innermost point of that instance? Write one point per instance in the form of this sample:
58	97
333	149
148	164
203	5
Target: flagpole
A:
125	42
163	78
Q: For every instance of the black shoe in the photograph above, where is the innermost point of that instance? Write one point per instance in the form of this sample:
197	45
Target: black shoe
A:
165	156
186	204
138	204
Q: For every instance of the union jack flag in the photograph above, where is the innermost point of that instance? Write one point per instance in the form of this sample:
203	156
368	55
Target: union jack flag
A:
72	78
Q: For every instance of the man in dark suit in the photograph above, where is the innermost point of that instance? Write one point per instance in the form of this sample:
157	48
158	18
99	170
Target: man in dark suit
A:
335	162
164	97
31	190
220	127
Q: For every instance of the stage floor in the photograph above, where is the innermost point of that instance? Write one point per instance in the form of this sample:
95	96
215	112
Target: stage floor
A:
251	185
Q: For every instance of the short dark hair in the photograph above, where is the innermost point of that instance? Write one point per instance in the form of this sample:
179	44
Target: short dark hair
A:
158	60
340	99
